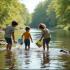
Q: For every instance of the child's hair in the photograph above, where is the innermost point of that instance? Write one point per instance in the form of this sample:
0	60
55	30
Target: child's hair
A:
27	28
14	23
42	26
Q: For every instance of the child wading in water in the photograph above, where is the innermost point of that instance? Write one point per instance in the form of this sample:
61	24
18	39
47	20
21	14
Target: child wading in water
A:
27	36
9	32
45	35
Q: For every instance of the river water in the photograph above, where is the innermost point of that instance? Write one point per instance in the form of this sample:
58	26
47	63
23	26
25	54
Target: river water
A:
35	58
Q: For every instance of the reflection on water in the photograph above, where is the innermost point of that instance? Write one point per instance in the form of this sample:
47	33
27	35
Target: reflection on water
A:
45	60
9	60
35	58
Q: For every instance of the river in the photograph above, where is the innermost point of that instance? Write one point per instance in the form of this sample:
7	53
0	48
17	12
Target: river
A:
35	58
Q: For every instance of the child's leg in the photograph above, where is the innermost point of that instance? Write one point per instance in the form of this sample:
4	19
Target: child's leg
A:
47	47
43	44
28	47
47	43
25	47
10	45
7	47
28	43
25	41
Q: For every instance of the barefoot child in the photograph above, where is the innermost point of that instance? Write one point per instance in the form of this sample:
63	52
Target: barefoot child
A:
9	32
45	35
27	36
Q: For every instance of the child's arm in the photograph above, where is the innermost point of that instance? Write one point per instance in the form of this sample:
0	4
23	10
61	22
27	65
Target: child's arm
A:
41	37
31	38
13	37
22	35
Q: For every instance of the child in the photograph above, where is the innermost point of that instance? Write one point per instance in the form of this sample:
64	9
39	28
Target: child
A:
9	32
27	36
45	35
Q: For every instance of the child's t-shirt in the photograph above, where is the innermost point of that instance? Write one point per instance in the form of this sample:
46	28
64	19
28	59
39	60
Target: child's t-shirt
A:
27	35
46	33
8	31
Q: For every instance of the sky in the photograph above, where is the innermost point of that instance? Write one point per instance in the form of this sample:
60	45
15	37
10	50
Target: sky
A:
31	4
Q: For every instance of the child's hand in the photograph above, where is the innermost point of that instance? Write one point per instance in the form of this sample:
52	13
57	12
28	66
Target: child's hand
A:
15	41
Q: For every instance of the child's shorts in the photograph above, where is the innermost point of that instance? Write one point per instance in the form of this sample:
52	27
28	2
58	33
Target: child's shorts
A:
46	40
8	40
27	42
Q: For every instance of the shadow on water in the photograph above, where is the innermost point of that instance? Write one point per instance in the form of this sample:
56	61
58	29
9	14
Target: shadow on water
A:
35	58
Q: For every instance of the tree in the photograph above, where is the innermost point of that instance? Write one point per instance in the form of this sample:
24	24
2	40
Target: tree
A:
52	13
41	15
13	10
62	9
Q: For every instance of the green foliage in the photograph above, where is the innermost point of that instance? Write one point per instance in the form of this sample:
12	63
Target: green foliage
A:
13	10
41	15
62	9
52	13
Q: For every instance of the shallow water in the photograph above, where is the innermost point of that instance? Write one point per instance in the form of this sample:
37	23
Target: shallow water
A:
35	58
